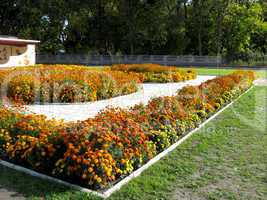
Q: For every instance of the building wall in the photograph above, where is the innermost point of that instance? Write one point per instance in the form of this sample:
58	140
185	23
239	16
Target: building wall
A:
13	56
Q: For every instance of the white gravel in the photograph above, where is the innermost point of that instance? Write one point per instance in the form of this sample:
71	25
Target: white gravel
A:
82	111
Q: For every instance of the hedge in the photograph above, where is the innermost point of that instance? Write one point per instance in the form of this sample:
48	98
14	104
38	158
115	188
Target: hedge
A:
102	150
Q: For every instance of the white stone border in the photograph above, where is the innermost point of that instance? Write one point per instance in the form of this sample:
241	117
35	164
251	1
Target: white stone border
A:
133	175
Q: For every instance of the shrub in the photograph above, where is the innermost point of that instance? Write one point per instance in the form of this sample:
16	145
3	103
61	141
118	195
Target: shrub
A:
66	84
141	68
23	88
156	73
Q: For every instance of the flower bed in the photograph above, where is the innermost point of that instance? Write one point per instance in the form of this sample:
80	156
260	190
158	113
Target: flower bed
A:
65	84
102	150
157	73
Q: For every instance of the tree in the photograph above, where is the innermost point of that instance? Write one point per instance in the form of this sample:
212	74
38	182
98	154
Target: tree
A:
240	23
232	28
9	17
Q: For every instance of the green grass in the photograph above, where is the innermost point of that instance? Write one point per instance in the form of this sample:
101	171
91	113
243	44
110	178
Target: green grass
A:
219	72
211	71
227	159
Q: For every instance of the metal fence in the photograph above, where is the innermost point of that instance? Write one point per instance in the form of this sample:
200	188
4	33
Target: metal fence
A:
129	59
97	60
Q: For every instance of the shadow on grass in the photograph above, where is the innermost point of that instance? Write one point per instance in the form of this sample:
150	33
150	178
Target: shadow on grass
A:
18	184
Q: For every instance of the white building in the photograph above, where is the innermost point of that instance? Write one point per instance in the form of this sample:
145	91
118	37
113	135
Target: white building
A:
17	52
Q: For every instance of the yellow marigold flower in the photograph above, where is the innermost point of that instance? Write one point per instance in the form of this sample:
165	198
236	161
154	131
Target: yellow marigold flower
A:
84	176
99	180
96	161
118	171
95	177
58	162
90	169
109	173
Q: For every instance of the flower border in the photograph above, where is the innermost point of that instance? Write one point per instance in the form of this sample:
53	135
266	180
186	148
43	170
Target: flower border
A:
134	174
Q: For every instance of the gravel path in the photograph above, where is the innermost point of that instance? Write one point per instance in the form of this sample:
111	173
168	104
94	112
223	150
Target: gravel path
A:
82	111
261	82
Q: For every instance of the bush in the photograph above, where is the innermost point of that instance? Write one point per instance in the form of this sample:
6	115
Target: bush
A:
23	89
156	73
66	84
141	68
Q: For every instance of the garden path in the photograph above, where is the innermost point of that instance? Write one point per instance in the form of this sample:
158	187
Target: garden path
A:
82	111
261	82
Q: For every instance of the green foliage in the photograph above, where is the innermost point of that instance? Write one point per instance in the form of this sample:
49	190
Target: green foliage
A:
236	29
109	88
240	23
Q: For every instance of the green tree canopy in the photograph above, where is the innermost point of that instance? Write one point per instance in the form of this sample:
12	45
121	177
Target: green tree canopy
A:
197	27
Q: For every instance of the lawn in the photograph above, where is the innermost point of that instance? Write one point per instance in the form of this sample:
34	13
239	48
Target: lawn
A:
227	159
219	72
210	71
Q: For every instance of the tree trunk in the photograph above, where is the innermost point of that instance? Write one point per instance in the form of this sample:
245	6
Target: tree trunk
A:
200	42
185	11
219	34
99	25
200	7
221	13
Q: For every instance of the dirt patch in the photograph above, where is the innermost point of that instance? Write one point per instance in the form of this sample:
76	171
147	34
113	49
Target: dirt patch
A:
6	194
186	194
231	186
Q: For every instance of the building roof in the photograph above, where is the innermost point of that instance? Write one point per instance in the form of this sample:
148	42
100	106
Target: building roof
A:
16	42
